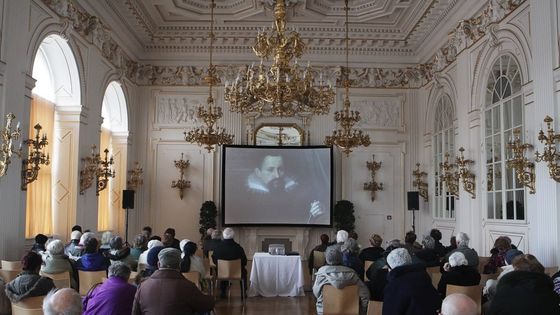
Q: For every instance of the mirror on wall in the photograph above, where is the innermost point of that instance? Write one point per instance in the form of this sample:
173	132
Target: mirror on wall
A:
279	134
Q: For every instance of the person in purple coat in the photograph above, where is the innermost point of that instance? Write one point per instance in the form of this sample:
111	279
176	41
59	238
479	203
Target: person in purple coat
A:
115	296
92	260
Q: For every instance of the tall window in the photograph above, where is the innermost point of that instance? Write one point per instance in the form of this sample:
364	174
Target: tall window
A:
503	114
444	202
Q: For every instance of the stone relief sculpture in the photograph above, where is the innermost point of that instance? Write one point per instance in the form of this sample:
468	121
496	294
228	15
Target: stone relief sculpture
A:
177	110
379	113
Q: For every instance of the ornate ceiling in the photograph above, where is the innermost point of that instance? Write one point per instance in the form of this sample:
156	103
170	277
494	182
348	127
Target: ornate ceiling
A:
169	28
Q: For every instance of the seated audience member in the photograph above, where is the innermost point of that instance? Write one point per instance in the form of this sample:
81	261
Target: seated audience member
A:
139	243
92	259
377	275
410	243
319	248
463	246
375	251
147	232
119	252
428	254
525	292
5	304
40	241
182	244
208	235
341	237
65	301
70	248
76	228
350	258
457	272
114	296
452	244
143	259
339	276
80	249
556	280
105	241
230	250
168	292
438	247
169	239
29	283
191	262
152	264
490	285
497	258
409	288
212	243
458	304
527	262
54	262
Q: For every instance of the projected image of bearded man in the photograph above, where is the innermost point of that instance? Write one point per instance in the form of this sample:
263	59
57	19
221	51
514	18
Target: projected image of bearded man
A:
271	181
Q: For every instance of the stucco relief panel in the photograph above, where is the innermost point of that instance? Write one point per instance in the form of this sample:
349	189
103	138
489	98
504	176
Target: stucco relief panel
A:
177	111
379	113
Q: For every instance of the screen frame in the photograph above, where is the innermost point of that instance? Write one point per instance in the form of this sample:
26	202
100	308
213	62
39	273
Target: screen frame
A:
222	185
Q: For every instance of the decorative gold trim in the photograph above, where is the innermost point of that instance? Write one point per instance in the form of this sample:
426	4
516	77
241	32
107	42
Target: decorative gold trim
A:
549	154
36	157
373	186
8	135
418	182
524	169
135	178
181	184
467	177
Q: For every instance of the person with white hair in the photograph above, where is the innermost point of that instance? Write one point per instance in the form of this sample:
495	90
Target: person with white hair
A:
458	304
114	296
166	291
409	288
341	236
55	262
339	276
463	246
143	259
457	272
428	254
230	250
64	301
105	241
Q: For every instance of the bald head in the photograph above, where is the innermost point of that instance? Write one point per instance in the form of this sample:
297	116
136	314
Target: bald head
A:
458	304
62	302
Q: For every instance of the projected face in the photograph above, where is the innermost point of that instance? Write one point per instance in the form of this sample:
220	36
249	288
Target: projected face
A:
271	172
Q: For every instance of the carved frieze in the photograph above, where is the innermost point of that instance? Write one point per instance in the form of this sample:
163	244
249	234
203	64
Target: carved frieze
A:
177	111
379	113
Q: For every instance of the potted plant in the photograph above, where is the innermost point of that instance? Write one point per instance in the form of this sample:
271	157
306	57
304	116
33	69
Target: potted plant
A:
344	216
208	214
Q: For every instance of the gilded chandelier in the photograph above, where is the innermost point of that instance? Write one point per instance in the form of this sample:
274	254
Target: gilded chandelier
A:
549	155
524	169
284	88
209	135
347	138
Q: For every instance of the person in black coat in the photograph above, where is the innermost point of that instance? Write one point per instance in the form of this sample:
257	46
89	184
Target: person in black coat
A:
438	246
457	272
230	250
212	243
428	254
409	290
375	251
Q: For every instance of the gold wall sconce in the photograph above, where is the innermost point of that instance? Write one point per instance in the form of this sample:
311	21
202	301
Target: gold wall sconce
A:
36	157
524	169
418	182
135	177
95	168
373	186
8	136
449	177
549	154
181	184
467	177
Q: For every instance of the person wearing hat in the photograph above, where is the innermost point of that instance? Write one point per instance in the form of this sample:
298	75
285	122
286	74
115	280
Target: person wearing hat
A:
489	289
168	292
143	259
40	241
151	267
70	248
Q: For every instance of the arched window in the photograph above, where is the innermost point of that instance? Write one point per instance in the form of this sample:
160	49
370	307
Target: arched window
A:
502	115
114	135
444	140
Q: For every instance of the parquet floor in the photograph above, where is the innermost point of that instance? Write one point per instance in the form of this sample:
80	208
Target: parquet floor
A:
302	305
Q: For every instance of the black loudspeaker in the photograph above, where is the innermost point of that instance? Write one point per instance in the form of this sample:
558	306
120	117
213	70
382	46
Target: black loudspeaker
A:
413	203
128	199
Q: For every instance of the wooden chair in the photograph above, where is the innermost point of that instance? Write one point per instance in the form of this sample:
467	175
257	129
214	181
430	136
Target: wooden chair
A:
473	291
436	277
9	275
29	306
341	301
193	276
228	270
551	270
431	270
11	265
61	280
367	264
485	277
132	277
89	278
141	267
375	307
318	262
482	261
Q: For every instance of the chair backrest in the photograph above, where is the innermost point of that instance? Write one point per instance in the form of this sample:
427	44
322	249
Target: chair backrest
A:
193	276
431	270
61	280
473	291
89	278
8	275
436	276
210	254
229	269
11	265
551	270
367	264
482	261
141	267
343	301
132	277
375	307
318	259
29	306
485	277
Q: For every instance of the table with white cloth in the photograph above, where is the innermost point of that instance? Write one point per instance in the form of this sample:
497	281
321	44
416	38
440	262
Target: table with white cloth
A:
276	275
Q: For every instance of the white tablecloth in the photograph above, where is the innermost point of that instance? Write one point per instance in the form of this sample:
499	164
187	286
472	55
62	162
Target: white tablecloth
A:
275	275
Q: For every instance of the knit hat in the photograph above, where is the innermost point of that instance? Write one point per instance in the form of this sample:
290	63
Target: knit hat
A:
153	255
511	254
154	243
75	235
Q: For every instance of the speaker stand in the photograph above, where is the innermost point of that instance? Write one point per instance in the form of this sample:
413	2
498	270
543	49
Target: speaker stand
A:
413	219
126	227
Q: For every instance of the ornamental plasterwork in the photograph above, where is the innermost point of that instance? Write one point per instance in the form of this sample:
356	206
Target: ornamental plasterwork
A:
178	110
464	35
379	113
